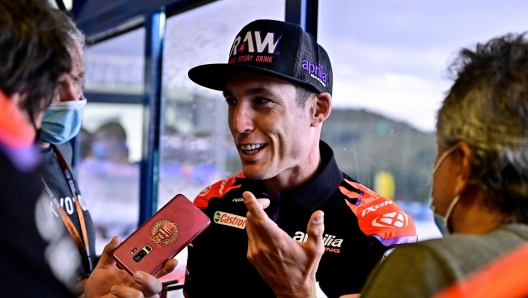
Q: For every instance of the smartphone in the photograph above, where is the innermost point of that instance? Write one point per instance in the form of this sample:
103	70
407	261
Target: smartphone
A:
161	237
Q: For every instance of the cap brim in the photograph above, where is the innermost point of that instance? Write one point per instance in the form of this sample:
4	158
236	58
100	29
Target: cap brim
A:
214	76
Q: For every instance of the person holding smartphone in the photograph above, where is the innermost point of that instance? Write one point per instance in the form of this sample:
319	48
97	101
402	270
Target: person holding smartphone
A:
39	258
61	123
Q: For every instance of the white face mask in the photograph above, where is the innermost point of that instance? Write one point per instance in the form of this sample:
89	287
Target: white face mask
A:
442	221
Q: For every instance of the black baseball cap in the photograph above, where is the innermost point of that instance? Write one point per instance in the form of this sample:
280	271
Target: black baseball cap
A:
271	47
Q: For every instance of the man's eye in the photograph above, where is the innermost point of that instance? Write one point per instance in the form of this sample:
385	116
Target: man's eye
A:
79	79
262	100
230	101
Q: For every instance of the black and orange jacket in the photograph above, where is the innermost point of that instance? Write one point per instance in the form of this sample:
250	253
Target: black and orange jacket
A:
360	227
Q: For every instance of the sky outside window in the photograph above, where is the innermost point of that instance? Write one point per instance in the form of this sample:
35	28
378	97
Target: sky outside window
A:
390	56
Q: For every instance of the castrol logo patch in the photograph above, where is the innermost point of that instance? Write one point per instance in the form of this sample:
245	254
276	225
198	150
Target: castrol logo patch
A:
228	219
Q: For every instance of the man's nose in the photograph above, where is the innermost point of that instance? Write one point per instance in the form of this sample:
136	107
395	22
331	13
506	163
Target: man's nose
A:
242	119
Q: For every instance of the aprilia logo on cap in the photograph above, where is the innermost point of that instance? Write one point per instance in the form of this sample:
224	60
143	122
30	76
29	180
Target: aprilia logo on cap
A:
315	71
228	219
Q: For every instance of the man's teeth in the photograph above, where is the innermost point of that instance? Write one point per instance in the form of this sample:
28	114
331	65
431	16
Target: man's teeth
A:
251	147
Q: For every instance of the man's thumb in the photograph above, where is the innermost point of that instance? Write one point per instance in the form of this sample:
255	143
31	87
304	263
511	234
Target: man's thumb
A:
106	256
315	230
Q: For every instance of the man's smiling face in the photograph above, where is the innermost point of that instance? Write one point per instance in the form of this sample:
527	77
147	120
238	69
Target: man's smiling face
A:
271	131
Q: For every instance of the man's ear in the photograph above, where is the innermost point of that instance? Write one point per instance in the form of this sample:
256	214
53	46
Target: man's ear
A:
463	174
322	107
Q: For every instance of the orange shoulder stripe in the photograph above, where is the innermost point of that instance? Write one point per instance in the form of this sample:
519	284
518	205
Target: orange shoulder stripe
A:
379	216
216	190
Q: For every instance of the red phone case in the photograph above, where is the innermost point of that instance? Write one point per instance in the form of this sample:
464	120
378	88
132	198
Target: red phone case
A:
162	236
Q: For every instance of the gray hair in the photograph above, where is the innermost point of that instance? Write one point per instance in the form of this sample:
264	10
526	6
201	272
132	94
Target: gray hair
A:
71	33
487	107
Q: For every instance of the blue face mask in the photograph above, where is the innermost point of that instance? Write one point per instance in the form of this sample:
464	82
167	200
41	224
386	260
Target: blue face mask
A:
99	151
442	221
61	121
110	148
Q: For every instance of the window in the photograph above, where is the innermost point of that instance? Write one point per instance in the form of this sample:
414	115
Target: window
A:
389	60
111	139
197	147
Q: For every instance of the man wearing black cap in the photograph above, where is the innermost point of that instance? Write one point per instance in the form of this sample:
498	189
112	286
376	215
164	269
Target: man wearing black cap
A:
278	84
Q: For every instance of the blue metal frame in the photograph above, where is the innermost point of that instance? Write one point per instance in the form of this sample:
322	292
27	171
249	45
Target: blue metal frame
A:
77	7
94	17
304	13
148	190
114	97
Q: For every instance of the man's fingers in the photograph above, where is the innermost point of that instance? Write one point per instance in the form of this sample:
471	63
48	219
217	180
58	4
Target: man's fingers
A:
125	292
264	203
255	209
315	231
167	268
151	284
106	256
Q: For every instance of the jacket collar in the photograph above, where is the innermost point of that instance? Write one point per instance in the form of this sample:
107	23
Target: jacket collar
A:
313	193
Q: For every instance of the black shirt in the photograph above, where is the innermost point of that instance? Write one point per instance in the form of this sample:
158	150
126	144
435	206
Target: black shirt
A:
360	226
25	255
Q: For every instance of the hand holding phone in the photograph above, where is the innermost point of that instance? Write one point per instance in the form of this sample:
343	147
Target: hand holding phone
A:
162	236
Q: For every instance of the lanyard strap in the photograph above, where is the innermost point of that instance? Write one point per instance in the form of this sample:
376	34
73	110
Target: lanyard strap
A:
82	243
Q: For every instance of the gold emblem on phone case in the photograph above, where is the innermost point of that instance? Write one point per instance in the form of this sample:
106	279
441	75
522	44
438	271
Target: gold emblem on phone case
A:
164	232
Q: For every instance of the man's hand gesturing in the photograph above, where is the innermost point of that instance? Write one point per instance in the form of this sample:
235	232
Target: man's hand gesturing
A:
287	266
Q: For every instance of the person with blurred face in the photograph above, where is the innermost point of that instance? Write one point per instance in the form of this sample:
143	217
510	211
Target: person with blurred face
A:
39	257
109	143
32	57
480	187
277	85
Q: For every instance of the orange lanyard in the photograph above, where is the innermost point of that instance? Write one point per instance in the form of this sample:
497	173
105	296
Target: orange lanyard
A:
82	243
